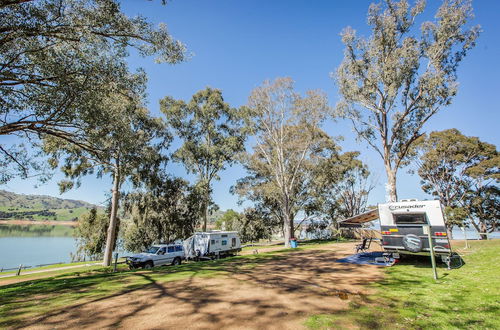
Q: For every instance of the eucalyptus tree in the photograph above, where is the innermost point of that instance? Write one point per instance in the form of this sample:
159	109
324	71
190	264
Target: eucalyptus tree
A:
212	134
166	209
90	235
128	148
342	185
61	58
393	82
288	142
464	173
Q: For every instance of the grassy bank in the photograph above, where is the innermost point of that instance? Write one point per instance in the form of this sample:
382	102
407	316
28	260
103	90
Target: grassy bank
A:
409	297
35	297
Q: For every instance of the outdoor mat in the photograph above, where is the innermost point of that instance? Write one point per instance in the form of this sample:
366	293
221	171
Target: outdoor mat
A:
368	258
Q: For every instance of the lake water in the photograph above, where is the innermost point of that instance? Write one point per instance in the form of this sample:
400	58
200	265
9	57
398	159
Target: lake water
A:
35	244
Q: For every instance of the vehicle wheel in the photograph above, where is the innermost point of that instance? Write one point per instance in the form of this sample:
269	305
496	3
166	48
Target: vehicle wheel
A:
148	265
177	261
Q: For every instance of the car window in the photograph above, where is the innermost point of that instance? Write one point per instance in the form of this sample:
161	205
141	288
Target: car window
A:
171	249
178	248
162	250
152	249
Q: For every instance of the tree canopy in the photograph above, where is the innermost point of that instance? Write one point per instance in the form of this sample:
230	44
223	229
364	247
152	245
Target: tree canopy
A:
166	210
212	136
288	144
464	173
129	147
393	82
59	59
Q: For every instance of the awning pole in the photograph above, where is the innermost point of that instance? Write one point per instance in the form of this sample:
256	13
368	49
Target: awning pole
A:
431	248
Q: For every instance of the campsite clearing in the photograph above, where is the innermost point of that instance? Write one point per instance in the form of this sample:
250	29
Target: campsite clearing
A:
283	289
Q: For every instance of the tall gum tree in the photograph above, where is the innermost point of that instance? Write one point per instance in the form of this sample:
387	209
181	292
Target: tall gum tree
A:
288	142
212	134
392	83
128	148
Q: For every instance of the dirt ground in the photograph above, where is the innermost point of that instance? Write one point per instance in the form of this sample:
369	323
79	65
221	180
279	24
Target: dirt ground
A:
279	294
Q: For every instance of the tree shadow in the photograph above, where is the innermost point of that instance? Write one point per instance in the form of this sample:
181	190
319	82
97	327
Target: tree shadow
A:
256	289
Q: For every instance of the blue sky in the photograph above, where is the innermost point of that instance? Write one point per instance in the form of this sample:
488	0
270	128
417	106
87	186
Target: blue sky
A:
238	44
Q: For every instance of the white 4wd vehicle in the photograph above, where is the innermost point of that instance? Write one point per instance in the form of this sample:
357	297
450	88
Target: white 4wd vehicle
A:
157	255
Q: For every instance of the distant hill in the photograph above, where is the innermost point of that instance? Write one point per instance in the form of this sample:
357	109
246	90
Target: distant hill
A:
40	207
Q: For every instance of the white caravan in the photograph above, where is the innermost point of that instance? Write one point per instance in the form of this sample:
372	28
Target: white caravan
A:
212	244
402	227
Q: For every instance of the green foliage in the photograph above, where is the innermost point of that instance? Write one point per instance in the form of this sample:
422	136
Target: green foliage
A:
258	223
229	220
393	82
341	188
212	135
164	212
90	234
464	173
289	143
60	61
409	298
20	201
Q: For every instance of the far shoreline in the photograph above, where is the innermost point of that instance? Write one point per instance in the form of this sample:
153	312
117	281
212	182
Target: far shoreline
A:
38	222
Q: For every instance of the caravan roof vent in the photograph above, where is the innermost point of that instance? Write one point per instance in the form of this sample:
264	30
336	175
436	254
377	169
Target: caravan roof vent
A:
409	200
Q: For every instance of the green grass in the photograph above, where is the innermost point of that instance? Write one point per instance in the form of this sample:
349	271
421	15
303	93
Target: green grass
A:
32	298
26	270
409	298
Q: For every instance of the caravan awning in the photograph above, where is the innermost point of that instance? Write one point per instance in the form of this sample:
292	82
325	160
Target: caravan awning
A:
361	218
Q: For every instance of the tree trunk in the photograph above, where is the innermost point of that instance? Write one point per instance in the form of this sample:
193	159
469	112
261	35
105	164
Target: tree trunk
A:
449	231
287	222
111	236
205	212
287	233
392	195
484	230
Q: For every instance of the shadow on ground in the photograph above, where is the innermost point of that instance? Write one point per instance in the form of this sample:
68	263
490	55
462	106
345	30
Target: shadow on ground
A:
263	291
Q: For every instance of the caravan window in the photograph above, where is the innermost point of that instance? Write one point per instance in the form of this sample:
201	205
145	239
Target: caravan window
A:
225	235
233	241
212	241
224	242
410	219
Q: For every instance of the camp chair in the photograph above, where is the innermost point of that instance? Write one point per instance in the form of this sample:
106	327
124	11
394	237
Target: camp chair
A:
364	246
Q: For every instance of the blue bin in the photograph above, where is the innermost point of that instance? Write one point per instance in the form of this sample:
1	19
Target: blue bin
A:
293	243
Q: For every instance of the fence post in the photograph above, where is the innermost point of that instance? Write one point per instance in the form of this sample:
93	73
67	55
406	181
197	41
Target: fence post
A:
19	270
116	261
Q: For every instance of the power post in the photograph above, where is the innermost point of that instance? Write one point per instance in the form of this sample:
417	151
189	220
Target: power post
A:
427	230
